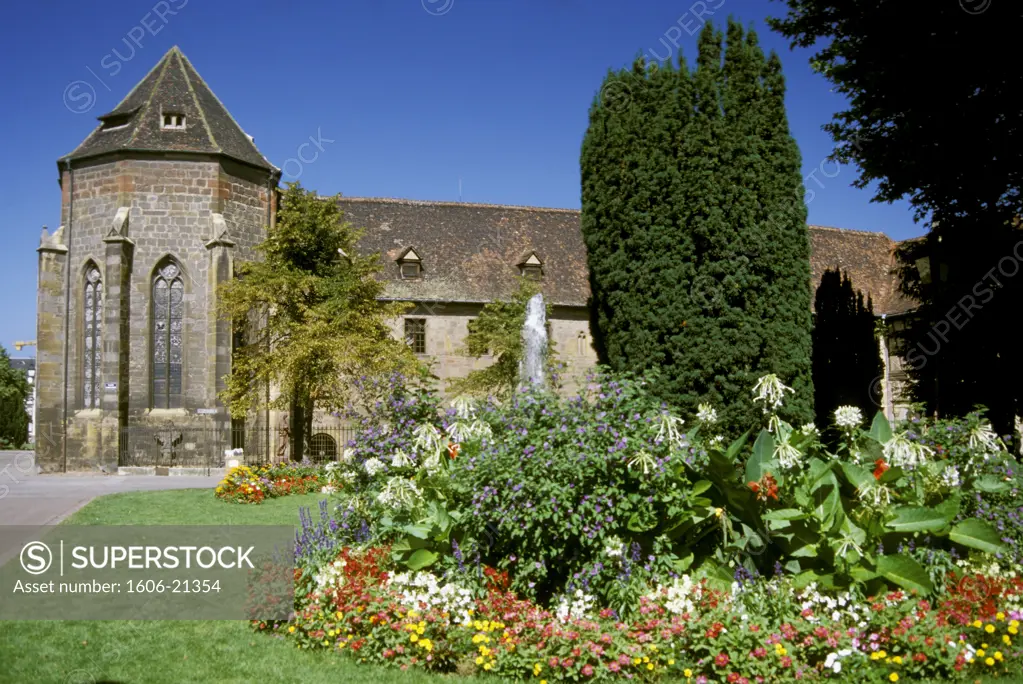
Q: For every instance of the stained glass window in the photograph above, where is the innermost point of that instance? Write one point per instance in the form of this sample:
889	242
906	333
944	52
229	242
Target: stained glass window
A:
168	315
92	349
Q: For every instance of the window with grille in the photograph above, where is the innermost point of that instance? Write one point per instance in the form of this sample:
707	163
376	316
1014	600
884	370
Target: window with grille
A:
415	334
168	329
92	347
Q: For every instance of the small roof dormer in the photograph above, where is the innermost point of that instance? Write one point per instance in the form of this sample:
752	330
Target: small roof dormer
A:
531	265
410	264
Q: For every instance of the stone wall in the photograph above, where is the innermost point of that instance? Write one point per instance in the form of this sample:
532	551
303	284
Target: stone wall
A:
447	328
127	216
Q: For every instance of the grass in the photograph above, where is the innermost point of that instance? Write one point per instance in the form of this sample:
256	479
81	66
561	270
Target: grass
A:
103	651
189	507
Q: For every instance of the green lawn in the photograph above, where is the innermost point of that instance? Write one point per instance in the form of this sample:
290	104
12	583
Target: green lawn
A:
173	652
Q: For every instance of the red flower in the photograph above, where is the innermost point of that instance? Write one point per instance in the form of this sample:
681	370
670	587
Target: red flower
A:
721	659
755	487
453	450
880	469
733	677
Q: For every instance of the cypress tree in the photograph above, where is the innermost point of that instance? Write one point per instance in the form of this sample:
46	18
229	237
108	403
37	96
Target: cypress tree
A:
846	358
697	245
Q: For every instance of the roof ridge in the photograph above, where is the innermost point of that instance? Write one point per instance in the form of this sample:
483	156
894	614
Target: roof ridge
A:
144	109
470	205
230	116
195	99
851	230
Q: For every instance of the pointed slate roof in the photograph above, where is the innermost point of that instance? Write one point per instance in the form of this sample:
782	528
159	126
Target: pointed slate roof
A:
172	86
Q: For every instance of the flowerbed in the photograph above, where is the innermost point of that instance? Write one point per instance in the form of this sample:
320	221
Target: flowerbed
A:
243	484
595	538
757	631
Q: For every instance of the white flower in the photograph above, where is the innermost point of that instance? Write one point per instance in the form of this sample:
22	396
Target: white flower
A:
399	493
400	459
578	608
464	407
950	477
347	455
878	494
984	438
328	489
902	453
669	429
427	440
706	413
615	547
681	596
788	456
374	466
644	460
848	417
809	429
770	390
717	439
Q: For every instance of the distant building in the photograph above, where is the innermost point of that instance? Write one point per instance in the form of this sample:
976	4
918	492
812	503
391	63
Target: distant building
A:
168	193
29	366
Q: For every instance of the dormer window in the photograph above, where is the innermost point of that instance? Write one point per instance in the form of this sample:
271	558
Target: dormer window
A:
173	121
410	264
531	267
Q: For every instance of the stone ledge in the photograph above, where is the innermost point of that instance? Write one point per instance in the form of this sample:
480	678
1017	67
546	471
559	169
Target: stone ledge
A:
171	471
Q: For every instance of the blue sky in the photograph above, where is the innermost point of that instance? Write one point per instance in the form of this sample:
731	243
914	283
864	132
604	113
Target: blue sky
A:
406	97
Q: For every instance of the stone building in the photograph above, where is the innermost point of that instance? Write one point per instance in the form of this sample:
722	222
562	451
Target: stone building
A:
157	204
168	193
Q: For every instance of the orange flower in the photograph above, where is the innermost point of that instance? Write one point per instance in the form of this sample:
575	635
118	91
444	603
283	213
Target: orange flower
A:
453	450
880	469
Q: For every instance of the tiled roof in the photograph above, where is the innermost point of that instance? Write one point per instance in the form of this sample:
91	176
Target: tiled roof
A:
172	86
472	252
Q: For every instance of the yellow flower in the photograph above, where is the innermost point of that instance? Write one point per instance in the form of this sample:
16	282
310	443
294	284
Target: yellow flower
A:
990	629
687	672
1006	640
1014	623
637	661
989	661
671	661
999	616
897	660
650	666
978	624
998	656
413	638
420	629
479	660
1013	631
980	652
339	615
487	666
427	644
893	677
646	660
718	511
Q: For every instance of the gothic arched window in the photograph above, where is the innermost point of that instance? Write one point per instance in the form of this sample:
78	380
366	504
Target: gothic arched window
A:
168	315
92	348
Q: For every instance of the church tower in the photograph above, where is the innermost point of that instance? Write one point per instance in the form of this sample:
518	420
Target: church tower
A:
158	203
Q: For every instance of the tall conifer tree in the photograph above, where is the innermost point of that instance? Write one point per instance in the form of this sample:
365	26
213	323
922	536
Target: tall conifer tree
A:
695	232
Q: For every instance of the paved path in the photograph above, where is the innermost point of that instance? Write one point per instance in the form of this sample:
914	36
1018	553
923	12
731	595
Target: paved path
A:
27	498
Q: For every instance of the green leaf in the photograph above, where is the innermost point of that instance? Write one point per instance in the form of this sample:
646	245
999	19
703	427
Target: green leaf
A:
735	447
858	476
418	530
902	570
700	487
763	450
880	430
918	519
785	514
641	521
891	475
862	574
991	484
421	559
977	534
807	551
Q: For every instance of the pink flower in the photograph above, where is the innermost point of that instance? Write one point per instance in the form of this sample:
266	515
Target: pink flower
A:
786	661
624	659
553	662
721	659
732	677
568	662
587	670
614	666
743	680
759	652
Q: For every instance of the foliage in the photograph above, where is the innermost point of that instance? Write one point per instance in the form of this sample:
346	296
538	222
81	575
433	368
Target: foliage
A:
959	167
244	484
695	229
497	332
311	314
14	390
847	367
